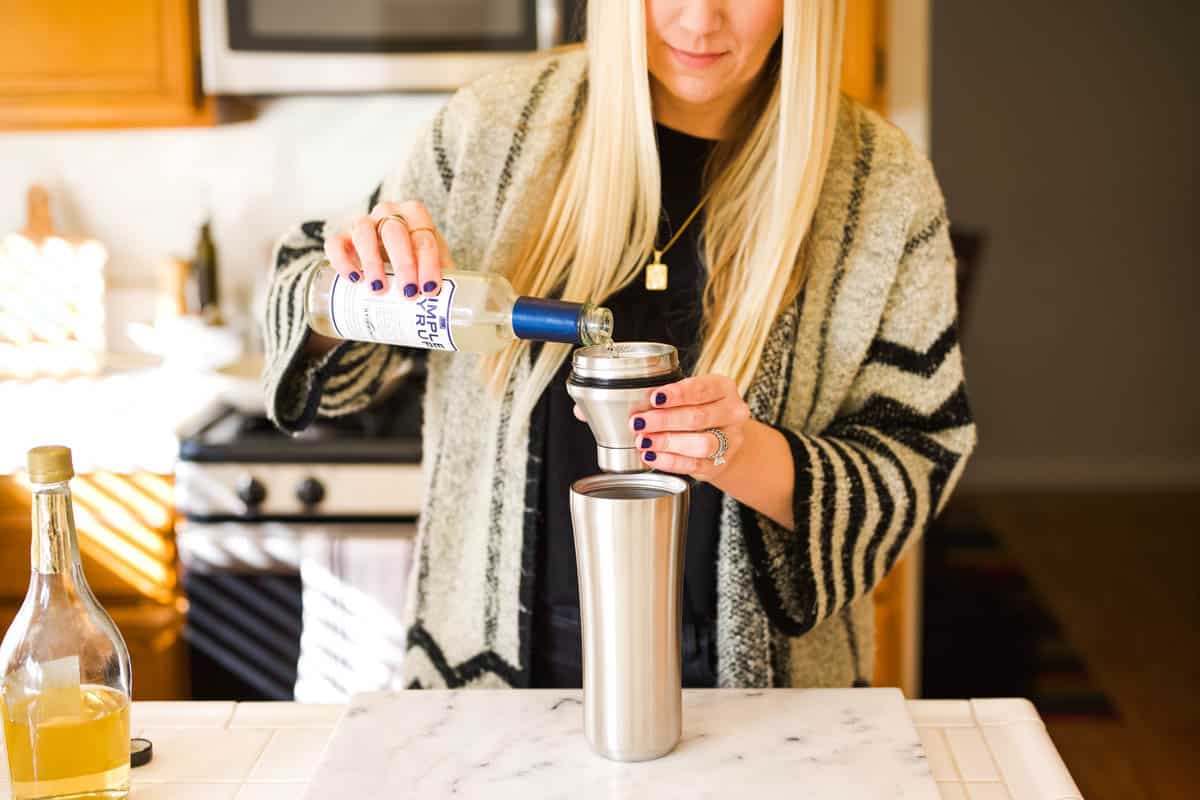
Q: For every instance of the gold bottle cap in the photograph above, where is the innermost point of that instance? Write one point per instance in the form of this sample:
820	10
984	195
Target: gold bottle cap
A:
50	464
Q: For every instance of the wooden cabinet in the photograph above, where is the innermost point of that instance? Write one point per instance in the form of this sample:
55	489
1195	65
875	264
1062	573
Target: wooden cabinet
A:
119	63
862	59
132	63
154	636
897	598
125	525
897	625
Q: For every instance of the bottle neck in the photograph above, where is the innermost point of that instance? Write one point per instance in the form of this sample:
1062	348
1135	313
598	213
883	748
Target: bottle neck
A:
55	548
559	321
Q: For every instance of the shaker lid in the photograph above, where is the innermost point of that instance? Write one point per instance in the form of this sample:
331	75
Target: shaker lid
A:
625	360
50	464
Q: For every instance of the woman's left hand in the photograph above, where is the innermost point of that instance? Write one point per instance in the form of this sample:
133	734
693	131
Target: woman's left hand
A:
674	434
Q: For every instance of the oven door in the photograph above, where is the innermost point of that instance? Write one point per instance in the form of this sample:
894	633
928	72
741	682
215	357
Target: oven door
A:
291	46
309	611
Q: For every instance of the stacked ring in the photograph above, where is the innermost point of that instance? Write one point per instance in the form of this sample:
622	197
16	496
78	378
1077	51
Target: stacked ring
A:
718	458
398	217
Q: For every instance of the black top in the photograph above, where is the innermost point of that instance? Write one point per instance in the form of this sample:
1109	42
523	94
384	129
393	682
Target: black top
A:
672	316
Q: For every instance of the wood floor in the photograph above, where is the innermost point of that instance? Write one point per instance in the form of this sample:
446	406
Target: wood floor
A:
1119	572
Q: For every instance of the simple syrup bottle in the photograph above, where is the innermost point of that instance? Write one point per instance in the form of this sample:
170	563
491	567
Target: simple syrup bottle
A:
476	312
64	668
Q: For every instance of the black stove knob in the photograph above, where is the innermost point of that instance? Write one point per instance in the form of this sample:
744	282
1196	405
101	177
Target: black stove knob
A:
310	491
251	491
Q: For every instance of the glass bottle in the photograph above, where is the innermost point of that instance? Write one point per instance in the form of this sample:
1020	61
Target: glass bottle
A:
64	668
474	311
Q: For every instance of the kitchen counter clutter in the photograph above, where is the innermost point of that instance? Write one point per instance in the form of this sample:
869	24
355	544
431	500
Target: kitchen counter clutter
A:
527	744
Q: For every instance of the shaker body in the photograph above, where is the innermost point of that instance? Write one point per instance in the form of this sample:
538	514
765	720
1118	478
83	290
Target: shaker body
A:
630	531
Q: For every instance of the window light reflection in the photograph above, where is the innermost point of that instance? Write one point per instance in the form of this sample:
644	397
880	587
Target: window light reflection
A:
151	510
351	642
51	327
113	536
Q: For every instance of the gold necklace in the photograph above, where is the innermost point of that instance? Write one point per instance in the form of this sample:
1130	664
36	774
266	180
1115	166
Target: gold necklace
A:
656	270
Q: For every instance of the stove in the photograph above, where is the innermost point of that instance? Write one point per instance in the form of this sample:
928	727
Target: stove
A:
295	550
237	466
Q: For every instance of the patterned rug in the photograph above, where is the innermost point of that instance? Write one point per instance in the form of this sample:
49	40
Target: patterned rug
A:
986	631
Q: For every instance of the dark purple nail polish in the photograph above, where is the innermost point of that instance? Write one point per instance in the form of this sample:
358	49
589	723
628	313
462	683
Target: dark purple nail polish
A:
660	398
650	456
376	285
354	277
430	286
410	290
639	424
646	444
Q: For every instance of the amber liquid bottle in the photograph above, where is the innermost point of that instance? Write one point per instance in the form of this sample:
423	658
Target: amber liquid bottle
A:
64	668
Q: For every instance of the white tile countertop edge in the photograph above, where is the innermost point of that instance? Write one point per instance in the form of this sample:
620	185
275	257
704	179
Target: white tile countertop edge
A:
996	749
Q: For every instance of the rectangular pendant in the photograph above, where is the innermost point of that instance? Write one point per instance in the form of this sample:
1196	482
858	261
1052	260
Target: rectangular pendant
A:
656	277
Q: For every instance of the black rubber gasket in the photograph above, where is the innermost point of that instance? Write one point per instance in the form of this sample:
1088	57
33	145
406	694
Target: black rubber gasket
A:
624	383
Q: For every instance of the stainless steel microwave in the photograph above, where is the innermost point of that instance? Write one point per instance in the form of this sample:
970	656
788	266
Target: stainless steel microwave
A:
296	46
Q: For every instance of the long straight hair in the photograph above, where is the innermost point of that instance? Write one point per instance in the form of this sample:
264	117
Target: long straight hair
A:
764	181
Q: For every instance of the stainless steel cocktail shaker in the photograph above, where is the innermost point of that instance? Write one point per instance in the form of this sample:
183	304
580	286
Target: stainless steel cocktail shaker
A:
610	383
629	540
630	527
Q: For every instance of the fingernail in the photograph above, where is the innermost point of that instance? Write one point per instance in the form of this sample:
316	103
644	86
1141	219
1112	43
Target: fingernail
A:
660	398
646	444
410	290
430	286
376	285
650	456
354	277
639	424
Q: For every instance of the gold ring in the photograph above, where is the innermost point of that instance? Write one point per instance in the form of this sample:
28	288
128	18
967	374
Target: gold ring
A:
379	225
411	231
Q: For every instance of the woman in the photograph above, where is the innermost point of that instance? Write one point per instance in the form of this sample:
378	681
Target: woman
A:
810	290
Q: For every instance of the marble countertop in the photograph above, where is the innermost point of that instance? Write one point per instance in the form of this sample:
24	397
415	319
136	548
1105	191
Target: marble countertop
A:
972	750
838	744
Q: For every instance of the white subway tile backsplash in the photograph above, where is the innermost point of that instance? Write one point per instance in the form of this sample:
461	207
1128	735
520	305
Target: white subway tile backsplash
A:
144	192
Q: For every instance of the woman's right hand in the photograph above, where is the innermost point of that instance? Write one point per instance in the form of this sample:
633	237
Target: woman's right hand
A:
418	255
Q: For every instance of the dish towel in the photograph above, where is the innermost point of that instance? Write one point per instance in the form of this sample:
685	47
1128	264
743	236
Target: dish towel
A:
354	583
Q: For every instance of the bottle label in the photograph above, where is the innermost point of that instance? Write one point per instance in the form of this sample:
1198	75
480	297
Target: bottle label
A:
390	318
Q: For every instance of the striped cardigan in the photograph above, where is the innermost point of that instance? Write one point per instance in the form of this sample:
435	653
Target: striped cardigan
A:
863	374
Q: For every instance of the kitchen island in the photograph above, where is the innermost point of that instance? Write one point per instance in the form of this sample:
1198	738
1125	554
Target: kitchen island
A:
973	750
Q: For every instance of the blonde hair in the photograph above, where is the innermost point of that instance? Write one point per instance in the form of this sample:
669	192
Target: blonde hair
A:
602	219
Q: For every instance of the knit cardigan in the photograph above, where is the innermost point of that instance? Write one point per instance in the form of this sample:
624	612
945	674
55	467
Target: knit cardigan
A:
863	374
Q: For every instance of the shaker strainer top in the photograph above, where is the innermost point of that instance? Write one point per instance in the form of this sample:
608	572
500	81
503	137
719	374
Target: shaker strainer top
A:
599	365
